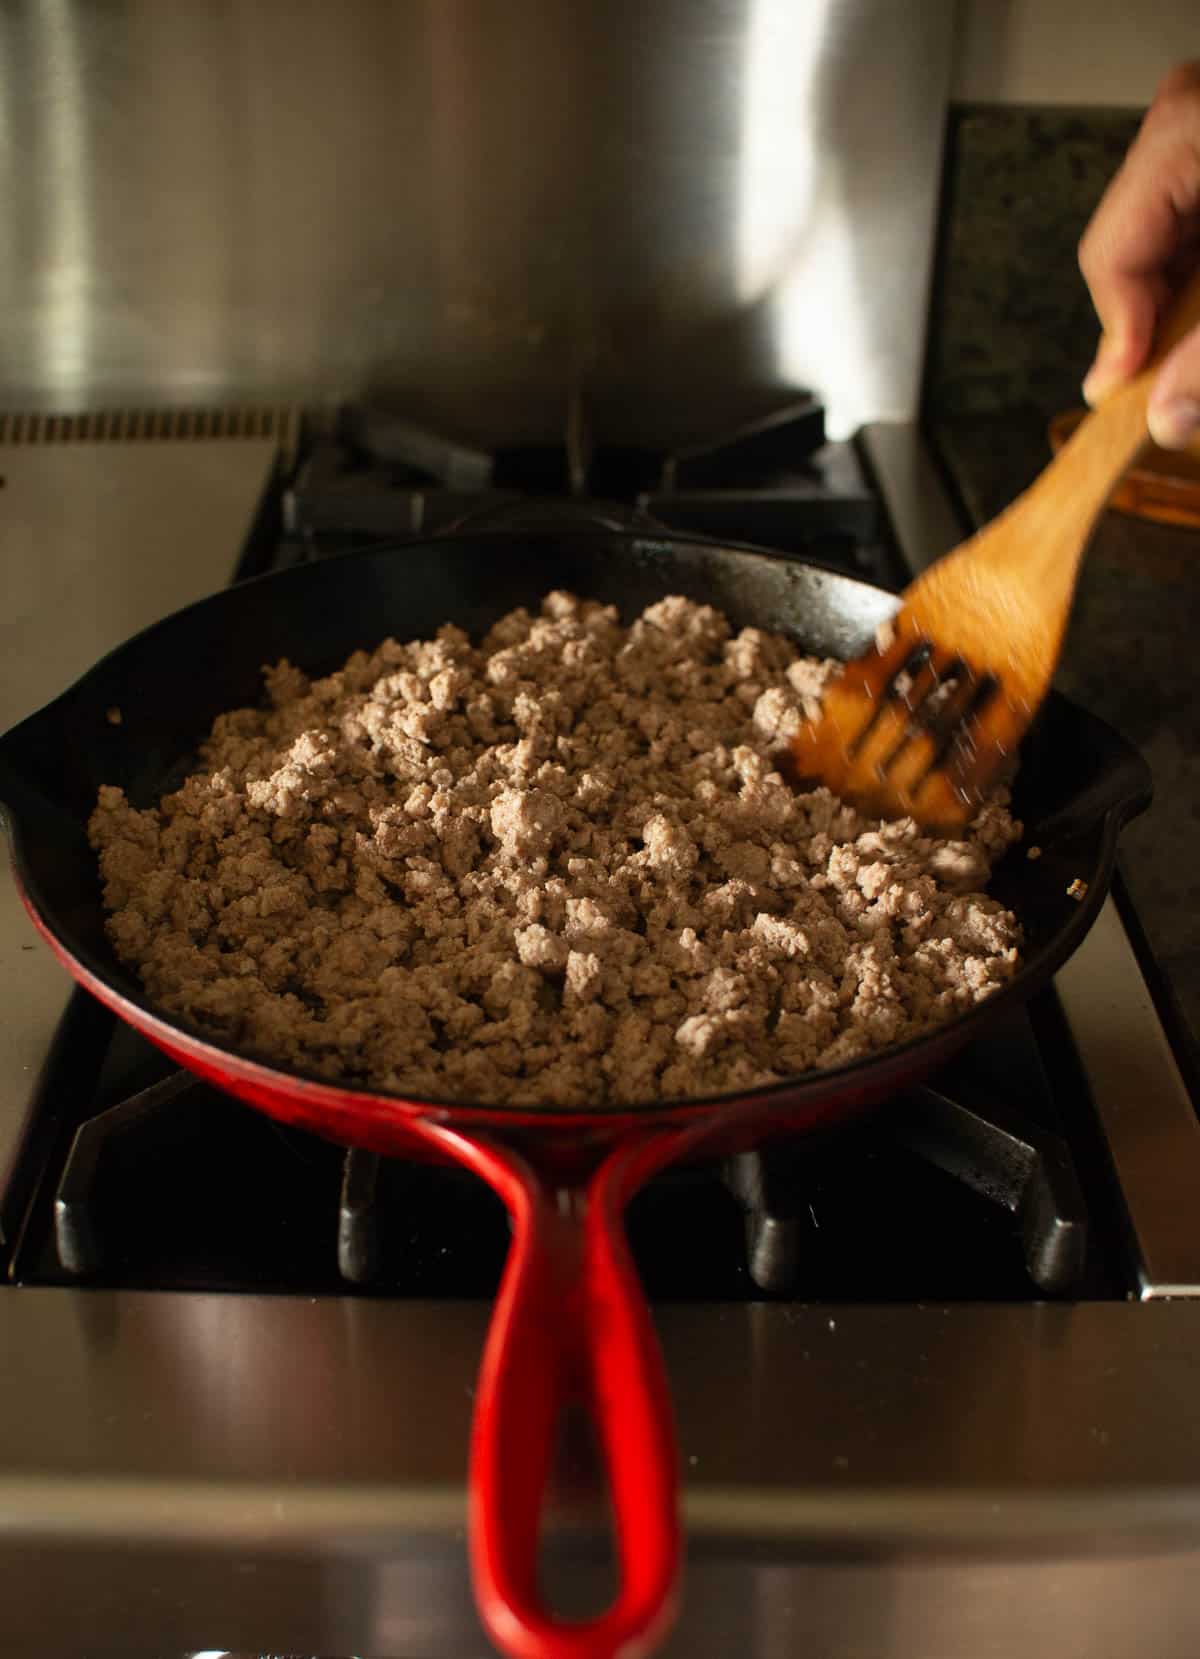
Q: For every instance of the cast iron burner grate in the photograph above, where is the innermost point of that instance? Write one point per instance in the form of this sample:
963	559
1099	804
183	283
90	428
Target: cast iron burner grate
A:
946	1193
1024	1170
774	481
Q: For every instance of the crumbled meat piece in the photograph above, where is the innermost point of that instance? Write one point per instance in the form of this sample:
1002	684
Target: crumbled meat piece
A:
959	866
558	868
669	848
776	715
525	822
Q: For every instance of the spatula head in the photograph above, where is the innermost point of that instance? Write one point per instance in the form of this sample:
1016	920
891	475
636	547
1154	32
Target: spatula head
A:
911	729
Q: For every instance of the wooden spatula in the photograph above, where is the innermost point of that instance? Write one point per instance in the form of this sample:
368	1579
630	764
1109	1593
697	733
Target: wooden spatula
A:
927	721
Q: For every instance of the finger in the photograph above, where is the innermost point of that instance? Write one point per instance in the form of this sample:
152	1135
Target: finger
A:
1136	234
1128	309
1124	257
1173	414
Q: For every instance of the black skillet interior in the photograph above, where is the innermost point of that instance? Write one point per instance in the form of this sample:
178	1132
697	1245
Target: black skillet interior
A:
136	717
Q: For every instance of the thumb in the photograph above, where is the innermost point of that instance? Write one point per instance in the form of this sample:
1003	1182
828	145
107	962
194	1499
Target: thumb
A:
1123	344
1173	414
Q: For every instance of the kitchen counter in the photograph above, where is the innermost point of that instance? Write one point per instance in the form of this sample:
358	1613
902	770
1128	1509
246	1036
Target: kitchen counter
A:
992	457
1131	656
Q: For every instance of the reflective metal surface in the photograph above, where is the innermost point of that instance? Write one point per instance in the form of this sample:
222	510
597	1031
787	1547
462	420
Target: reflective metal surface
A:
284	1421
278	1474
481	206
419	1608
1147	1113
96	541
924	523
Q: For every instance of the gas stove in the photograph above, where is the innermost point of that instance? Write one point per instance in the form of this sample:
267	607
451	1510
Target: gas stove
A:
926	1372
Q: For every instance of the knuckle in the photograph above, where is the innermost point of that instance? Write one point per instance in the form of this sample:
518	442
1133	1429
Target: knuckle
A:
1183	81
1178	96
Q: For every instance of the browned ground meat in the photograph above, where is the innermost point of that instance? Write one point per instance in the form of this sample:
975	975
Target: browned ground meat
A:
556	868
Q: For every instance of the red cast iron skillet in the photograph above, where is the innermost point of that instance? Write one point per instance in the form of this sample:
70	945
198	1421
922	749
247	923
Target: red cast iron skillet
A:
570	1322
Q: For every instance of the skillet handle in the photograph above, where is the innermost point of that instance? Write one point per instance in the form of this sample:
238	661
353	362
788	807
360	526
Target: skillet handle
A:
571	1325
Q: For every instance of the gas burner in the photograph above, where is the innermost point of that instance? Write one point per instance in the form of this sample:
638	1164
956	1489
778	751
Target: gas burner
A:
775	481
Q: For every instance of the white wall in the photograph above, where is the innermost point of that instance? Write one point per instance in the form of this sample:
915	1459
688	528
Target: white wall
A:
1071	51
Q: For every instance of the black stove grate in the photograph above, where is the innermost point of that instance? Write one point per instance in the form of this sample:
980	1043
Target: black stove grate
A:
775	482
155	1181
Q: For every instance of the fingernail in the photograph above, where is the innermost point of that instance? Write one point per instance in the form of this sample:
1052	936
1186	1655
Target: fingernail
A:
1105	374
1174	424
1095	384
1099	381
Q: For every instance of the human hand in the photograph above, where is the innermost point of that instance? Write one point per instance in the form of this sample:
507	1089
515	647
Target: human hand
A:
1142	243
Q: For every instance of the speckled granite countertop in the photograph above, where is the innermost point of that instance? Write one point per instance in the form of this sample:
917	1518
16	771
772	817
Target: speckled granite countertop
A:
1132	656
1011	323
992	457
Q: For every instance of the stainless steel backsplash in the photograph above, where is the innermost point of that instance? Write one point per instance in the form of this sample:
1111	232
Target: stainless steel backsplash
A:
674	209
